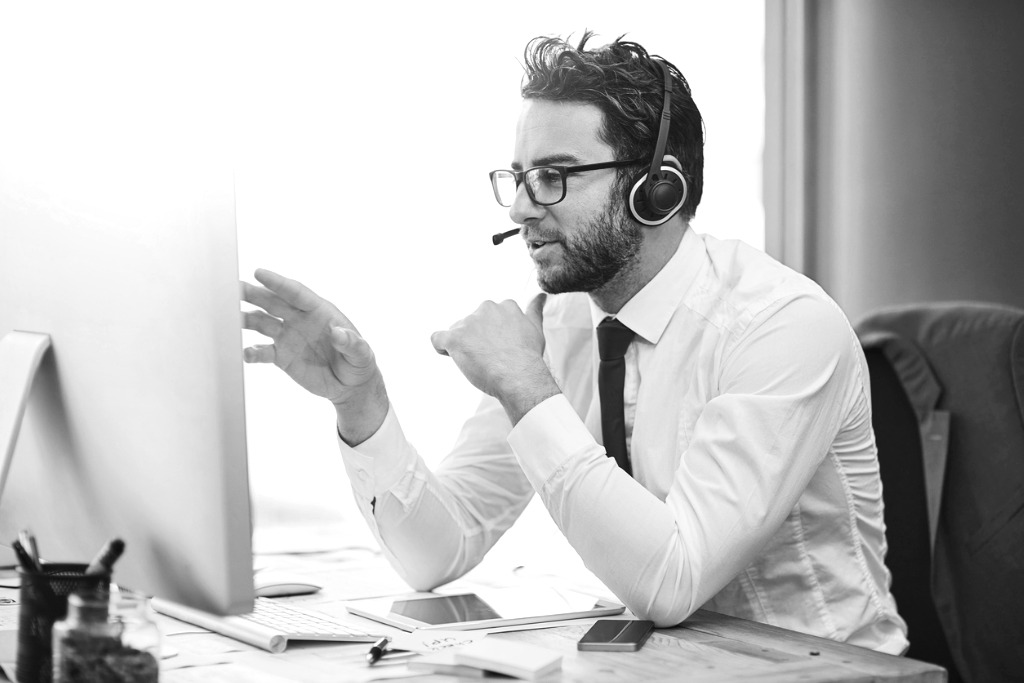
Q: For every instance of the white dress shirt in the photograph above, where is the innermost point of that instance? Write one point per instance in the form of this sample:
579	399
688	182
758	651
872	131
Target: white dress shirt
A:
756	489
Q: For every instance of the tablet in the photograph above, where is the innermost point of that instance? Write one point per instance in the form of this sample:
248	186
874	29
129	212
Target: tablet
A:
488	608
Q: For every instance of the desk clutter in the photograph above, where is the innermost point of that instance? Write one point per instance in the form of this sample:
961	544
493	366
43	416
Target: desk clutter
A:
74	628
709	647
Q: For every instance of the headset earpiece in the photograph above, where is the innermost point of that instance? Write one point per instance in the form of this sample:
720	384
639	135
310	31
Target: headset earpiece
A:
654	202
656	196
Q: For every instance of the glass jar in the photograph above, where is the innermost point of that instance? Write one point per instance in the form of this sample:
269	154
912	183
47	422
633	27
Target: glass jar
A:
134	617
106	638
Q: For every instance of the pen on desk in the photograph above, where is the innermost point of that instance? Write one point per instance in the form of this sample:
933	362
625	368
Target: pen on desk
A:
377	650
103	563
390	656
380	652
28	544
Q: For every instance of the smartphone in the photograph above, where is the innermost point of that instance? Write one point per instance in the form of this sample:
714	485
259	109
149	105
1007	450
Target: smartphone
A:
616	635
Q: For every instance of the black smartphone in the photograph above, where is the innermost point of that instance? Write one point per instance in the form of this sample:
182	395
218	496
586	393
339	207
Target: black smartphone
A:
616	635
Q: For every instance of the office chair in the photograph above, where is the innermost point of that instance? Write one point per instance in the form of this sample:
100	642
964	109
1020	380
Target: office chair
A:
947	392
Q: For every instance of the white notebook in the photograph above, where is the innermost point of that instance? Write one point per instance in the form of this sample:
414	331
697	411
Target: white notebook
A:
443	663
509	657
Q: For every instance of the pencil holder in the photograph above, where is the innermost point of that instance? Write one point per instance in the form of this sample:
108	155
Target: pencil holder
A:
44	600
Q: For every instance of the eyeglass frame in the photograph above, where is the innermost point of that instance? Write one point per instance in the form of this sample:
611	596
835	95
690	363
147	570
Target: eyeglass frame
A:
563	172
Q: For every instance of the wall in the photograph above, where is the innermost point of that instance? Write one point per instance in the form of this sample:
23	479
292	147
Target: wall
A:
911	163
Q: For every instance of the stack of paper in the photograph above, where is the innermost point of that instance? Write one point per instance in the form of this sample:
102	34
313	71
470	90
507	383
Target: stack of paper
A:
508	657
443	663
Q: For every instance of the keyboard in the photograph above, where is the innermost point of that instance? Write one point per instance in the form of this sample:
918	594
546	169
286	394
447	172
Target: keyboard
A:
271	624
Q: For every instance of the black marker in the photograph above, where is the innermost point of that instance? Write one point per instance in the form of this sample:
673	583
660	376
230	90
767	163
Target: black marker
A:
104	561
28	544
24	559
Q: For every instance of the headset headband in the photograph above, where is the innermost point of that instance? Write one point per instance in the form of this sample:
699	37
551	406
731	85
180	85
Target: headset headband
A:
666	121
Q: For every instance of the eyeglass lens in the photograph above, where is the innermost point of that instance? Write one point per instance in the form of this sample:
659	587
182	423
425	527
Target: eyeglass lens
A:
544	184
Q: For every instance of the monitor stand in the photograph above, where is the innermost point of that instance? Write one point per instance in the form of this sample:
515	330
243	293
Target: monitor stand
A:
20	356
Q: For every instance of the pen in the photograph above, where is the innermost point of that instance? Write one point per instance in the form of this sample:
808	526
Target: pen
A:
104	561
27	564
28	544
377	650
380	652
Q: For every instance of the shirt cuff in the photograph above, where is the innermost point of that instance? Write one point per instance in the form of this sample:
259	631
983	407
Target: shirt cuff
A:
546	437
377	464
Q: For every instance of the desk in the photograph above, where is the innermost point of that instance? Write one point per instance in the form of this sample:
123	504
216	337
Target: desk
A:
707	648
713	648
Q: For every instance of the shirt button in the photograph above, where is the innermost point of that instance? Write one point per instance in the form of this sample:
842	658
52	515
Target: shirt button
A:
363	476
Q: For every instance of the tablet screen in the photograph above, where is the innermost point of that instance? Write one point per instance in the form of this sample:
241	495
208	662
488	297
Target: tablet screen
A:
486	608
445	609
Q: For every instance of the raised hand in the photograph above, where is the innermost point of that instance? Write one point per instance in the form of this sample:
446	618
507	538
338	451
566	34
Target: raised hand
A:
500	350
318	347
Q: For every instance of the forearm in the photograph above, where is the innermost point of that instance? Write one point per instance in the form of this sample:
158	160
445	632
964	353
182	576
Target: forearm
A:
627	537
425	543
664	557
436	526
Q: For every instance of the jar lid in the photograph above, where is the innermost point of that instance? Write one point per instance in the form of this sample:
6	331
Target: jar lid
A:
90	606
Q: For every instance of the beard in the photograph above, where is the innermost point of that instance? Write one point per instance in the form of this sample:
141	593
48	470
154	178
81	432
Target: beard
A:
593	256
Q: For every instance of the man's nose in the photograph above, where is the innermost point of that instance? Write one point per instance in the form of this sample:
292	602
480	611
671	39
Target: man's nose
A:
523	207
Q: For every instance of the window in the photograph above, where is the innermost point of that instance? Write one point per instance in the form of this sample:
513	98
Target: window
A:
335	112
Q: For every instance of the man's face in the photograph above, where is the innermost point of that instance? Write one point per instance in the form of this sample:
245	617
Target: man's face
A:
587	239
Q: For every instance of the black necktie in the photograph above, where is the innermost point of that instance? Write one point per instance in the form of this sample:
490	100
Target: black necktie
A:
613	339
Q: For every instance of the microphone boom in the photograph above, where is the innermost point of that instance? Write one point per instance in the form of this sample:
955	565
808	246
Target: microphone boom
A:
502	236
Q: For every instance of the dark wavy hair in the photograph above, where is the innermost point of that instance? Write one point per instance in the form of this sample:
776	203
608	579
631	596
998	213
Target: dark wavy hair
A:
625	83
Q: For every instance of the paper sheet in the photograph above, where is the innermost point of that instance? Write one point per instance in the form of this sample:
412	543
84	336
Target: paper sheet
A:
427	641
8	652
9	617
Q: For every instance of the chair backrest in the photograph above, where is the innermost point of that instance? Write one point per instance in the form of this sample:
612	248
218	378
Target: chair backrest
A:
948	413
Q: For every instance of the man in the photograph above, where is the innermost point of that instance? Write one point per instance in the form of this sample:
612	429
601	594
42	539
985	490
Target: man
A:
744	476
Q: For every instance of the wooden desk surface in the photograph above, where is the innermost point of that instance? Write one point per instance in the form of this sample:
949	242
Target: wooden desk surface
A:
707	648
712	648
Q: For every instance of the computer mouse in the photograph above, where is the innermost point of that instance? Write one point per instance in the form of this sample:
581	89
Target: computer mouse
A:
275	584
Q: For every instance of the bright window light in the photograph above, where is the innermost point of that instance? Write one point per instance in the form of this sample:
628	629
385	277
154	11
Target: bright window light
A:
363	134
364	174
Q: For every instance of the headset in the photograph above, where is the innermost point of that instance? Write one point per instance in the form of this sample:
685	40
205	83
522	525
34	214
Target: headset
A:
656	196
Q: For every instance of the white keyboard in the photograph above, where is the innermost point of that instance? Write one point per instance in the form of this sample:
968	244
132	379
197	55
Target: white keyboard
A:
301	624
271	624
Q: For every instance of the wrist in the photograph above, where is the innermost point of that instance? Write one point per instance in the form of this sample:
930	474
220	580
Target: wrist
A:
361	413
520	397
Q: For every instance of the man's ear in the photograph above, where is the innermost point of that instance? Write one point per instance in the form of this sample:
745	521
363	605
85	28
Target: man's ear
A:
672	161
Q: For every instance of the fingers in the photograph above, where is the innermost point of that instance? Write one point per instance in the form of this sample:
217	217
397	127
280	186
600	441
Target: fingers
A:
291	291
267	325
353	348
260	353
265	299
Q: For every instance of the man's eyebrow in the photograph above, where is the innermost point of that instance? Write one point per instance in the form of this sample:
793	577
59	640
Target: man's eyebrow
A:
560	159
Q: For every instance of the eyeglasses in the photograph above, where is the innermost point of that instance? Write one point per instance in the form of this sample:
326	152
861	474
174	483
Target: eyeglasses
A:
544	184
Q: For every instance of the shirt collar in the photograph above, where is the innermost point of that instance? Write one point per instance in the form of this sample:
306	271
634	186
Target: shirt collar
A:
650	309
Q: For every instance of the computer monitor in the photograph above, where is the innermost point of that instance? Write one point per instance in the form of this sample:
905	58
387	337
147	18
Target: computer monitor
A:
123	251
